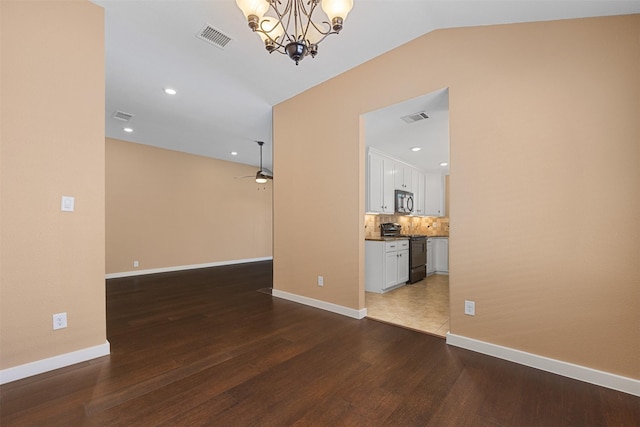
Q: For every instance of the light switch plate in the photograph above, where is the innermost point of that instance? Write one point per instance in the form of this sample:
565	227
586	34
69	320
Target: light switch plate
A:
67	204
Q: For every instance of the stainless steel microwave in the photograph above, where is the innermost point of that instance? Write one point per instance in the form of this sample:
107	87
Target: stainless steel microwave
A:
403	202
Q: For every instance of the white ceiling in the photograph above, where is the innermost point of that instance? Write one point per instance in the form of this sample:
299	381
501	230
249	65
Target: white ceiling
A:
225	95
386	131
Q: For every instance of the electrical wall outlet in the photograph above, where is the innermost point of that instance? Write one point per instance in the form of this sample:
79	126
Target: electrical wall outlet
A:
320	281
67	203
136	264
470	307
59	321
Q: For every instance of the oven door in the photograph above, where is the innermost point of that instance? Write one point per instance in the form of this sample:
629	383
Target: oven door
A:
418	252
417	259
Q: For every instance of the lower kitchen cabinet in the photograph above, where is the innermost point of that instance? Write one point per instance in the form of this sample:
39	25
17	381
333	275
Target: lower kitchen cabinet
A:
431	257
438	255
386	264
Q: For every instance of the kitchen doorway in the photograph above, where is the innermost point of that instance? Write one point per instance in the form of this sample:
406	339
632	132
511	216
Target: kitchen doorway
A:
414	133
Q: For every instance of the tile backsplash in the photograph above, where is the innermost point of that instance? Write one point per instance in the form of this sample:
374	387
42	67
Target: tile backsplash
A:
428	226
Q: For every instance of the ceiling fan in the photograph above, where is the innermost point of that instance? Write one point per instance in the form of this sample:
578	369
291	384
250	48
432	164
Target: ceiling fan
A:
263	174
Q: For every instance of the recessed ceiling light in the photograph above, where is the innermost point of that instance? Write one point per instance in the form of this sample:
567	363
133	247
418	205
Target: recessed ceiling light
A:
416	149
444	164
170	91
129	130
234	153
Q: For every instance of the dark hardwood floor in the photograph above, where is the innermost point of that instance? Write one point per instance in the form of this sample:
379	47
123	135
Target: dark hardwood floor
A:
212	347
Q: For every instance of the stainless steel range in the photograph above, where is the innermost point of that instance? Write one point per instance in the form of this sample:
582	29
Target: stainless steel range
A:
417	258
417	250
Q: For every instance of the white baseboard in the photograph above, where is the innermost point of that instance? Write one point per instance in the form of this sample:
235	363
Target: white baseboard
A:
323	305
40	366
577	372
183	267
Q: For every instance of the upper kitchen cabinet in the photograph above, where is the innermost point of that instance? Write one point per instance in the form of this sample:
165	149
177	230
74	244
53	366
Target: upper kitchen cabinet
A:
434	193
386	174
403	178
414	134
418	181
380	183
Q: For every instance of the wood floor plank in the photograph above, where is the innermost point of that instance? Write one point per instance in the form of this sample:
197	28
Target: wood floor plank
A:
210	347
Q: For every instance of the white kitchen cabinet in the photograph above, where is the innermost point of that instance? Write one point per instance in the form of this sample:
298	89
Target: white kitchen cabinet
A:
434	193
403	177
386	174
380	175
403	263
441	251
431	257
386	264
418	182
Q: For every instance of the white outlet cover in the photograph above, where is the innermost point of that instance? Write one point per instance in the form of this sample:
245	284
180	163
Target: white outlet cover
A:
59	321
470	308
67	204
320	281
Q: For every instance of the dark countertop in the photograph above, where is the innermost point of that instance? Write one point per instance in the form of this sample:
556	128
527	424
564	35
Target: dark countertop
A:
385	239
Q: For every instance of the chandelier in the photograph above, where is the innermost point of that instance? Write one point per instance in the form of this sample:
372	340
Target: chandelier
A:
290	29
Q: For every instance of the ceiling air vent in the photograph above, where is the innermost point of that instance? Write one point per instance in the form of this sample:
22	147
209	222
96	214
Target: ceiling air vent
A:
213	36
412	118
121	115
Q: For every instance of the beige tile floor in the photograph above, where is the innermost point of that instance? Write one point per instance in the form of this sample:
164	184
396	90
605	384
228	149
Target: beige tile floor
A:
423	306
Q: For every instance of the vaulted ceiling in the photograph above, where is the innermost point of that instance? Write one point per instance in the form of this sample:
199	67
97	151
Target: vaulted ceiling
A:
225	95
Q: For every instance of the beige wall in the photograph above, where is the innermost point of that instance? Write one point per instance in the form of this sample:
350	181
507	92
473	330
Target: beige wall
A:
52	144
166	209
545	178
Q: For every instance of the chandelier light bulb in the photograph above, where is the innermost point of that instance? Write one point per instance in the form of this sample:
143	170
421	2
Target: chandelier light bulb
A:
253	10
337	11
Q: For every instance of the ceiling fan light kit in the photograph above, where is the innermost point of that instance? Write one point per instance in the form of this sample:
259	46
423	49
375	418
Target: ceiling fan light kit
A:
261	177
292	31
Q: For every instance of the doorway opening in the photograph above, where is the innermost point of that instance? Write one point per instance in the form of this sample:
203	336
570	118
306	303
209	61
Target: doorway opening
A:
407	148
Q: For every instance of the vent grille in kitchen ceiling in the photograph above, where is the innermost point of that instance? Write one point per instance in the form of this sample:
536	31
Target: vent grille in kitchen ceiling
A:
213	36
415	117
121	115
